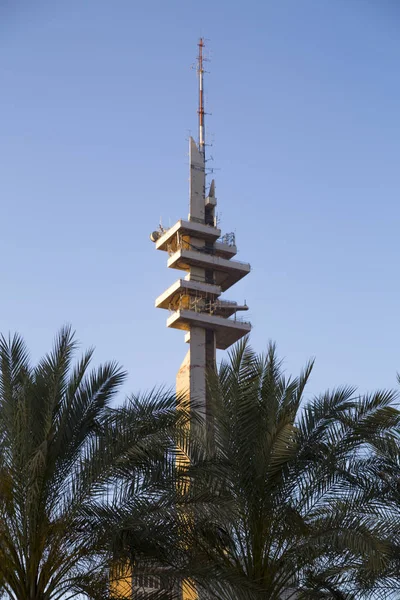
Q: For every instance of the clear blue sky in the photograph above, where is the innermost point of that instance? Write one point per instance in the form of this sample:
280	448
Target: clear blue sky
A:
97	99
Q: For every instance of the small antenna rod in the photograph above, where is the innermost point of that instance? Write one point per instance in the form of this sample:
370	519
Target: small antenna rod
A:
200	111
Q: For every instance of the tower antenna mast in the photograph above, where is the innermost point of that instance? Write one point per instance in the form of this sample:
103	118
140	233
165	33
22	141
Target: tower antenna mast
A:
200	111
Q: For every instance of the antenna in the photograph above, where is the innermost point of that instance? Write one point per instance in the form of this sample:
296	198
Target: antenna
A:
200	111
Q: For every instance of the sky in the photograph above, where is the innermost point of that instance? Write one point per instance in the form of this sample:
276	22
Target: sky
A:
97	101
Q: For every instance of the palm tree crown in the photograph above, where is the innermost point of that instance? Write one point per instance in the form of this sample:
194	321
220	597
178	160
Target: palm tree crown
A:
303	518
75	473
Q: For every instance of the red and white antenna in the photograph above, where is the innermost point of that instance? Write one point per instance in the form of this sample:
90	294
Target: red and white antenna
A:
200	111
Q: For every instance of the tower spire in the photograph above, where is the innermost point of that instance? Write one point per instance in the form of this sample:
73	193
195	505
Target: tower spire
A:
200	110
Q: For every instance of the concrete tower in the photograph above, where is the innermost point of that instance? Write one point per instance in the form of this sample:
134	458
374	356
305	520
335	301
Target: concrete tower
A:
196	247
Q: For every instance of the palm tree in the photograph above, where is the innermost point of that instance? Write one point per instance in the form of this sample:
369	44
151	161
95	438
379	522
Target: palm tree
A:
289	505
75	473
304	516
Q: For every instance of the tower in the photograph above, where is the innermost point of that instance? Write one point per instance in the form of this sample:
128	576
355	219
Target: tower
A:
196	247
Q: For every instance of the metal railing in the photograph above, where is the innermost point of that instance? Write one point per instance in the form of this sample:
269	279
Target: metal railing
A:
203	306
237	319
183	245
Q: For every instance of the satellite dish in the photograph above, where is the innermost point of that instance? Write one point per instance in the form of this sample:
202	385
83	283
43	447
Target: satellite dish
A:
155	235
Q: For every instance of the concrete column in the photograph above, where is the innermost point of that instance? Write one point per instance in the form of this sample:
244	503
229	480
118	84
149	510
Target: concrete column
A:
197	186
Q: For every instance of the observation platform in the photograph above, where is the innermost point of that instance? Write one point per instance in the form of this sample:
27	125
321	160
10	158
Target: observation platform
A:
208	233
188	287
227	331
226	272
